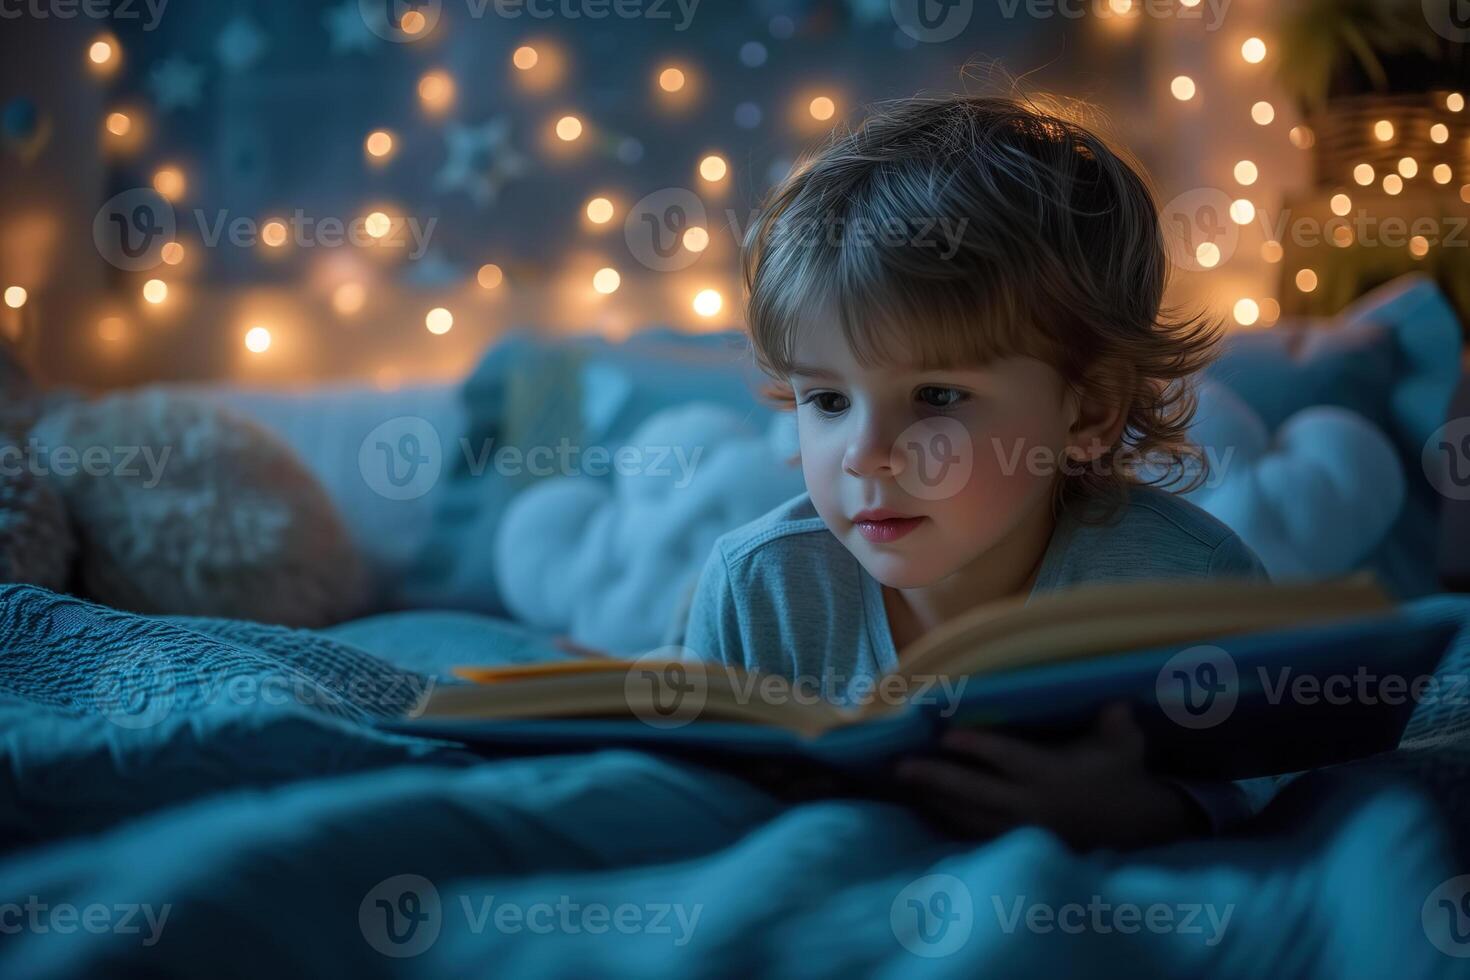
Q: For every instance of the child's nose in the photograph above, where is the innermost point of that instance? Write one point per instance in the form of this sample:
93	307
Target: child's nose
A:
873	449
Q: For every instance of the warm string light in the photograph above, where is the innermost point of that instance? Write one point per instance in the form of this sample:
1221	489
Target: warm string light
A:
436	91
257	340
379	144
696	239
713	168
708	302
170	183
155	291
15	297
1253	50
606	280
525	57
490	276
568	128
600	210
273	233
439	321
1247	312
412	23
1182	87
377	224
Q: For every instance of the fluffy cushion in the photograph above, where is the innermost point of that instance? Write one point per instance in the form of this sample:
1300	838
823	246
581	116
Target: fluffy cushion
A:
531	391
183	508
1313	498
609	562
1392	357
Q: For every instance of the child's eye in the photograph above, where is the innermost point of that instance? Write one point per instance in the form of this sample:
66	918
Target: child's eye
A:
937	397
828	402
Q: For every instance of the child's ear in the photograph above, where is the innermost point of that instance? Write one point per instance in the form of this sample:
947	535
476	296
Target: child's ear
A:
1102	405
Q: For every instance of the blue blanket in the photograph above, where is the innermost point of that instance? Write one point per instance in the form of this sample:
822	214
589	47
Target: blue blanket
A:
205	796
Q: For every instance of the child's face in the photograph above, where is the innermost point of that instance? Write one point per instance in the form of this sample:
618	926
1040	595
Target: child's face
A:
965	455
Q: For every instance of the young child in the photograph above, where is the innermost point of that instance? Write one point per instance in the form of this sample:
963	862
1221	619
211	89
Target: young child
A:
962	302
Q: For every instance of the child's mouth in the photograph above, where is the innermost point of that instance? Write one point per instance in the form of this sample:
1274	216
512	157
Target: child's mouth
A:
888	529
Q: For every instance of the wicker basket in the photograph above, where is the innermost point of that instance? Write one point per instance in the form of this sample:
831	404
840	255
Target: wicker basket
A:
1345	137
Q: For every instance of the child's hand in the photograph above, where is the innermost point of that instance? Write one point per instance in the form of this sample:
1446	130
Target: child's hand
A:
1094	792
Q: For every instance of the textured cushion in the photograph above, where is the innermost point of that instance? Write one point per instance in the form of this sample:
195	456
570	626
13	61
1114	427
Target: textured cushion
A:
36	540
188	509
336	431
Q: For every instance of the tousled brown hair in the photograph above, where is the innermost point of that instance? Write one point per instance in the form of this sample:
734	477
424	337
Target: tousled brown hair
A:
968	228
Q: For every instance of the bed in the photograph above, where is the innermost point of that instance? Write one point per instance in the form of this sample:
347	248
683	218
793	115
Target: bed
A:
185	794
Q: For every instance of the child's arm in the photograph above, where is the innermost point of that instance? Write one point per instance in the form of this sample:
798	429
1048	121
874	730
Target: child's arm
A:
1094	792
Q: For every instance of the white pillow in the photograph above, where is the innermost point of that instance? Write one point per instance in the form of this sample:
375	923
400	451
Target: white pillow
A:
1313	499
609	562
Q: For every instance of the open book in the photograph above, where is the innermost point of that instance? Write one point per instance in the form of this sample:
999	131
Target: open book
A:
1229	678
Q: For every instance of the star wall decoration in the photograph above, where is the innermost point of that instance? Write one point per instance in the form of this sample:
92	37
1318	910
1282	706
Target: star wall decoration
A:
481	160
349	30
176	84
240	44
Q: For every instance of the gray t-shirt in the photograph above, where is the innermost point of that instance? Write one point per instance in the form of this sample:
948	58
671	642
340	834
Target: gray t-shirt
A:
782	595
